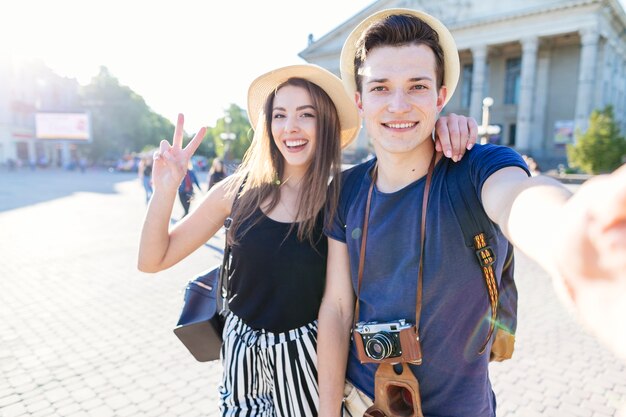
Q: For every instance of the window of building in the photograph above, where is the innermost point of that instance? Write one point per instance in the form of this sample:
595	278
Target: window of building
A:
512	80
466	85
512	132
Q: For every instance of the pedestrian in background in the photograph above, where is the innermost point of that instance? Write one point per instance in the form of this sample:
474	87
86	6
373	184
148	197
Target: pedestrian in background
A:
216	173
185	189
145	175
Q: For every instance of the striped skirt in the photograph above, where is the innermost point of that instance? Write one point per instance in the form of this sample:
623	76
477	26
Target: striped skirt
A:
268	374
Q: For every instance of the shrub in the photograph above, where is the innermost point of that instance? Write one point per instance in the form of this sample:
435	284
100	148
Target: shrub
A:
601	148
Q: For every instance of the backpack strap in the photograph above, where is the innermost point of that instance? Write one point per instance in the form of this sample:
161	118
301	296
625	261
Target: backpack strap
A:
475	225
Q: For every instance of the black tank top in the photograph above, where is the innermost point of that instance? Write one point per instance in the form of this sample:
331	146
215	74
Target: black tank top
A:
277	281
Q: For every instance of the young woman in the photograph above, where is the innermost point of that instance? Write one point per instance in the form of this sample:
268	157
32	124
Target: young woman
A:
216	173
302	118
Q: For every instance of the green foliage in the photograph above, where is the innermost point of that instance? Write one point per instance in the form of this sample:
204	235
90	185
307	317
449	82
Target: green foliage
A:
601	148
239	126
122	123
121	120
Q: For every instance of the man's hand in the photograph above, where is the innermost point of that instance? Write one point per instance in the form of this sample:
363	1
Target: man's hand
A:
454	135
591	256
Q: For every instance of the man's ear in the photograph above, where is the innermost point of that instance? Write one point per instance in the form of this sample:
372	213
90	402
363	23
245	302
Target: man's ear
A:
359	102
441	98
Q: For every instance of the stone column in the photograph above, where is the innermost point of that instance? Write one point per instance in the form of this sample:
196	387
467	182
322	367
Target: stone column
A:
586	76
479	67
540	105
620	105
621	97
527	88
606	92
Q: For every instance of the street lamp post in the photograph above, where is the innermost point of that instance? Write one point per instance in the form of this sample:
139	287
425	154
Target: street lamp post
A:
227	137
485	130
487	102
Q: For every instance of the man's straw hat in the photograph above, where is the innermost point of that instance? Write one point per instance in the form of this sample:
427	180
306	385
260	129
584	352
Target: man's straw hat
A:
450	53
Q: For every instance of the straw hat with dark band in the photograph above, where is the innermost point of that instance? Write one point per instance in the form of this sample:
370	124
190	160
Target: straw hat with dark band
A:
450	53
263	86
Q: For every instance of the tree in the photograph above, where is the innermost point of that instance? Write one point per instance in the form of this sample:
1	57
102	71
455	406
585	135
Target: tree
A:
239	126
601	148
121	120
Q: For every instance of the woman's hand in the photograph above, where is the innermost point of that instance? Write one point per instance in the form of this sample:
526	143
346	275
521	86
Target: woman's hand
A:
171	161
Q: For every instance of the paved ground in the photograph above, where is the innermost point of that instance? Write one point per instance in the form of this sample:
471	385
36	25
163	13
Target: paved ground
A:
82	333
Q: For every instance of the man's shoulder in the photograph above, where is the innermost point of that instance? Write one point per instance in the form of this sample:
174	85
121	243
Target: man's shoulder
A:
490	150
356	173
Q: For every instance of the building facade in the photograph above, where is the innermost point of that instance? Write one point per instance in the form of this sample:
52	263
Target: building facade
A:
547	64
26	89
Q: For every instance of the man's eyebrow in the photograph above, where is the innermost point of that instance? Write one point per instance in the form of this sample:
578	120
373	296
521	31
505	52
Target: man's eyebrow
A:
384	80
425	77
377	80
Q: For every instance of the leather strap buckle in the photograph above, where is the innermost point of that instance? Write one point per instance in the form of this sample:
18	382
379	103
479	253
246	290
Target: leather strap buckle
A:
485	256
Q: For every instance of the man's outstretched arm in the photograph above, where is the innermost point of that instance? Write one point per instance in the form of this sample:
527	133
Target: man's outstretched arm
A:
580	240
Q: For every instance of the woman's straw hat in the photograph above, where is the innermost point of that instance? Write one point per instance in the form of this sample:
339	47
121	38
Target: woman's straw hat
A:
450	53
266	84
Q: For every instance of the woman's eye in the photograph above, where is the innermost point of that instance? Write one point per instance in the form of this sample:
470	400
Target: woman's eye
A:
308	115
278	116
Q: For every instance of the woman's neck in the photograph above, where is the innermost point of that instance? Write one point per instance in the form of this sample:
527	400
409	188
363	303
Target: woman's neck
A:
292	178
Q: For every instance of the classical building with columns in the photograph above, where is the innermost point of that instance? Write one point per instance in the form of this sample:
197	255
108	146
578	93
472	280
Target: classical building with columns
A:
546	63
27	88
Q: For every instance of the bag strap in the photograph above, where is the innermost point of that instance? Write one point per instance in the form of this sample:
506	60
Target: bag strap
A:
224	279
418	302
474	224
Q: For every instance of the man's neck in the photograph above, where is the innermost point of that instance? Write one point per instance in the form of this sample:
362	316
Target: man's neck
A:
397	170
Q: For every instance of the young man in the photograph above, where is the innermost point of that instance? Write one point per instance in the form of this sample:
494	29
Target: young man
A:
402	67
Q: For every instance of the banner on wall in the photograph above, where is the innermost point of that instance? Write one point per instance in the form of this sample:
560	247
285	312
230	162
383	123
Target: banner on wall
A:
63	126
563	132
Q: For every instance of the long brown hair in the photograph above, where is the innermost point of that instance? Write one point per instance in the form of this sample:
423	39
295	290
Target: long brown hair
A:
263	165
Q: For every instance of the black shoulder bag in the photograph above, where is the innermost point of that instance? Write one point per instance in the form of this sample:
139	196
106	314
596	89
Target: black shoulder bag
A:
202	320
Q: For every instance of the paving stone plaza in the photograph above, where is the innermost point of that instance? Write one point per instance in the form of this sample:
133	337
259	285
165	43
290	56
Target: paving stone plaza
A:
83	333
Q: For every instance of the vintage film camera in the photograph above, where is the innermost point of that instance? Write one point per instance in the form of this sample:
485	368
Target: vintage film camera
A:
390	342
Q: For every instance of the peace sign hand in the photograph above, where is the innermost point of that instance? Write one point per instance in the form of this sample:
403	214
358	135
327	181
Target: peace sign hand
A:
170	162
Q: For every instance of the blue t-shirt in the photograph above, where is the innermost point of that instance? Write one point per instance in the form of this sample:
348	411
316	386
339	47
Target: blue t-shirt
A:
454	322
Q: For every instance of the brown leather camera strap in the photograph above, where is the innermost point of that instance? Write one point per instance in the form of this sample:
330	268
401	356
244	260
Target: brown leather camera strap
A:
418	304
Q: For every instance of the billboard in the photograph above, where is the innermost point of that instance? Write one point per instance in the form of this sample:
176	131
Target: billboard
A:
74	126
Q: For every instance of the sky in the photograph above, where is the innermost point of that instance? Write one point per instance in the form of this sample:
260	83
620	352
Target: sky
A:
189	56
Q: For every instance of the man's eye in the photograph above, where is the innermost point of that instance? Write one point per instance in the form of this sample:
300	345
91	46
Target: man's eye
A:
419	87
378	88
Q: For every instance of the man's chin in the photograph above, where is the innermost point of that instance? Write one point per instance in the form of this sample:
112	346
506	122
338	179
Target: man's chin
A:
398	147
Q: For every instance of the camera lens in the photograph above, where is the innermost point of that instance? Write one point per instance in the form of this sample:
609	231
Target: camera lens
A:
380	346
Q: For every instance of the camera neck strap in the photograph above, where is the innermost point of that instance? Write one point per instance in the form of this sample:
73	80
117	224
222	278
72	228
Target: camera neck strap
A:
418	304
